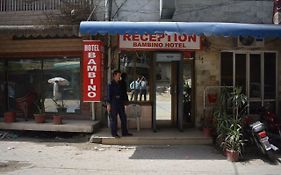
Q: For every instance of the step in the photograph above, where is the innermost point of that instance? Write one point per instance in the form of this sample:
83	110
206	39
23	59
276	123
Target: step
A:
147	137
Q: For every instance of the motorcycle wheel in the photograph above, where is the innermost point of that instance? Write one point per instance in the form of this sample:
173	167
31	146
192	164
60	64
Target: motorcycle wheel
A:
271	156
260	147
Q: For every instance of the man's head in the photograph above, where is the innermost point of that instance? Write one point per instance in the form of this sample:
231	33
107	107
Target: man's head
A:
116	75
124	76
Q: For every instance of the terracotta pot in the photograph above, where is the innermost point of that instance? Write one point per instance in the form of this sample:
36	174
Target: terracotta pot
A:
9	117
39	118
57	119
232	155
207	132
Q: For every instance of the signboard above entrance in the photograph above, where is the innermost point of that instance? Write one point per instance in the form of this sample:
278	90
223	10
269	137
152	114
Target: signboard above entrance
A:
159	42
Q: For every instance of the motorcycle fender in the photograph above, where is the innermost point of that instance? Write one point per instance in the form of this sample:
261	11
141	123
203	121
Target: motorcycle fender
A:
264	141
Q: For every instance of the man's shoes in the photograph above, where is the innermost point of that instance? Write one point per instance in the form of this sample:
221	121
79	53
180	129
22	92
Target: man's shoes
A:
127	134
116	136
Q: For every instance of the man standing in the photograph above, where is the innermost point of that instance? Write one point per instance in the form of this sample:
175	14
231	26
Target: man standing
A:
115	106
143	88
123	84
134	86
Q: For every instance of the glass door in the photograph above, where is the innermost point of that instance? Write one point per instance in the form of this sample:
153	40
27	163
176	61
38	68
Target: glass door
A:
188	93
163	93
168	91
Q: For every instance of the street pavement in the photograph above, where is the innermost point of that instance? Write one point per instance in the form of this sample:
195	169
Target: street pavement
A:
35	156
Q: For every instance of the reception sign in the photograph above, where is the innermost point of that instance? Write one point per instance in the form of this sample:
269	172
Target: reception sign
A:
92	70
159	42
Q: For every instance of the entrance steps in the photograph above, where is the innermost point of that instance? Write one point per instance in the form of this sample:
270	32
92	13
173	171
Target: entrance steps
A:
165	136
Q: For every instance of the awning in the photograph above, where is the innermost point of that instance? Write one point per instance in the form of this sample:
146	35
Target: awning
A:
198	28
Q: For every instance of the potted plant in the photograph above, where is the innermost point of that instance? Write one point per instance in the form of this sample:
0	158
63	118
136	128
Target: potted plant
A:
207	126
39	115
222	116
57	118
9	117
234	140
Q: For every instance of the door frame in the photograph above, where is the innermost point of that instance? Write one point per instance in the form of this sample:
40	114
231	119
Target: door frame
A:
176	70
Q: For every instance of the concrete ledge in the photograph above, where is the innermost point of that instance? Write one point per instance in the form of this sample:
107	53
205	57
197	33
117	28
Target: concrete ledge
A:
156	141
85	126
147	137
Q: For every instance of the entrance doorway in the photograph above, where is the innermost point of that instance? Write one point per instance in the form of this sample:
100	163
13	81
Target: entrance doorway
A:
164	94
168	91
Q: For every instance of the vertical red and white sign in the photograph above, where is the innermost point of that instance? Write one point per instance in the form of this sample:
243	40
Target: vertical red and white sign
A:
92	70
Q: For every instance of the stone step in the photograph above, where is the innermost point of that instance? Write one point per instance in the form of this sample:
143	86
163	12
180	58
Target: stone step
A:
145	137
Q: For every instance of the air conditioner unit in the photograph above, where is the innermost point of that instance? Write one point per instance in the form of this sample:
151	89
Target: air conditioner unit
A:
250	42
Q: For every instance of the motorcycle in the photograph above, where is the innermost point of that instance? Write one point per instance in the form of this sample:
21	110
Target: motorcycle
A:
256	134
